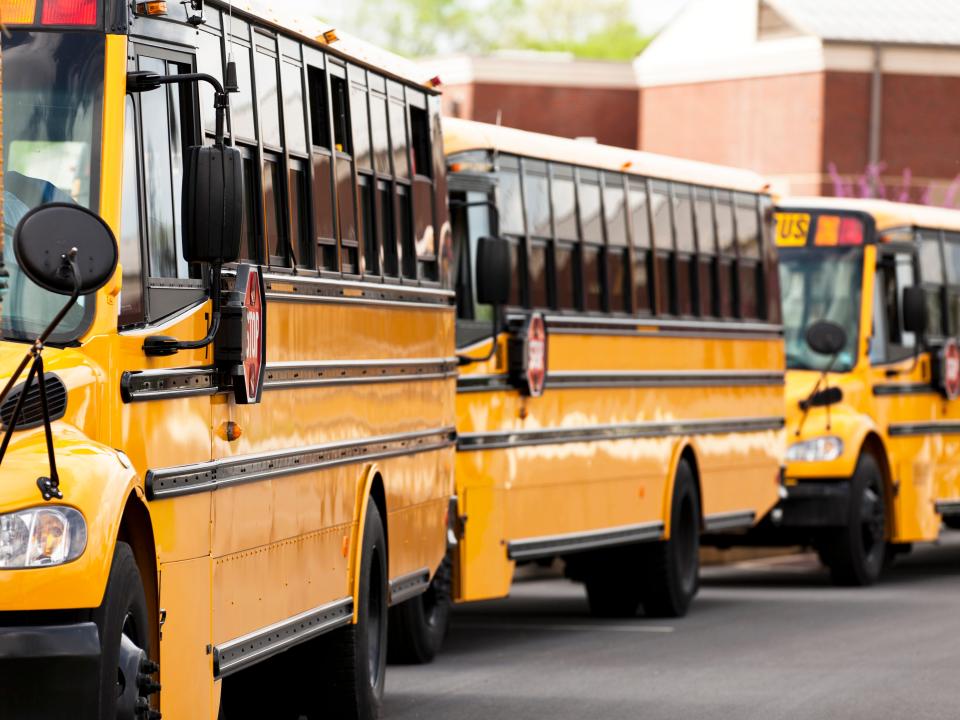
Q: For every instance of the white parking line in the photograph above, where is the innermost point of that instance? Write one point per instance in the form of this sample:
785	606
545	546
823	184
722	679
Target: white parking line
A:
551	627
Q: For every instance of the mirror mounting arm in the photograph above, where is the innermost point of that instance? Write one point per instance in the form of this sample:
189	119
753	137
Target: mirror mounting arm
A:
145	81
161	345
494	331
49	486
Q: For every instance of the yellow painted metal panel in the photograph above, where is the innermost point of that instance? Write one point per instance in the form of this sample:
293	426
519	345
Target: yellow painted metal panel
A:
186	665
553	488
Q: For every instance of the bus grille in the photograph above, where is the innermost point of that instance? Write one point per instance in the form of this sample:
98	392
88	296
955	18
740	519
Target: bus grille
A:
32	415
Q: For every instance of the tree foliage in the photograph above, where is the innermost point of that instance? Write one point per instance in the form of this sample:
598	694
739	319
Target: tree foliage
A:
597	29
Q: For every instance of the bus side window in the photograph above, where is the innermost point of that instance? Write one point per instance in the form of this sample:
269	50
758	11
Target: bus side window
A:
706	251
684	259
642	262
749	266
591	227
617	251
325	235
727	260
168	122
889	341
663	241
931	277
509	202
951	254
536	200
426	235
563	194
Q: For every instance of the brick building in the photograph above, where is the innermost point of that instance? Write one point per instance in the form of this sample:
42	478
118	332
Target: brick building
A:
544	92
820	95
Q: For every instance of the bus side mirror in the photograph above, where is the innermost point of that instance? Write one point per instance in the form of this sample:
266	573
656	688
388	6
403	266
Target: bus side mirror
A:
826	337
212	204
493	271
914	310
65	249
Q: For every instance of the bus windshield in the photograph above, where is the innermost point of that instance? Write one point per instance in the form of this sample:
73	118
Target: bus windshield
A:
821	284
52	105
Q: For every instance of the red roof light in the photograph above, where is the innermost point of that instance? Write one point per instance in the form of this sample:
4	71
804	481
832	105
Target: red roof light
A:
69	12
851	232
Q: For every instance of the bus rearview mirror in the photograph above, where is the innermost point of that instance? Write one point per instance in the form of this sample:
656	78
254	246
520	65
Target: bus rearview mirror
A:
914	310
826	337
493	271
65	248
212	204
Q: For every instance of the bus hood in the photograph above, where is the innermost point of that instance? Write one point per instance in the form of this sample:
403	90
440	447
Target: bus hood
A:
71	380
841	420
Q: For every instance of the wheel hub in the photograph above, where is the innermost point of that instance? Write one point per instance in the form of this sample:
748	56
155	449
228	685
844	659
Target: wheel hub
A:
135	682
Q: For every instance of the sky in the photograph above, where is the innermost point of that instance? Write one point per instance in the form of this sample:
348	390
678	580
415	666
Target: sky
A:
650	15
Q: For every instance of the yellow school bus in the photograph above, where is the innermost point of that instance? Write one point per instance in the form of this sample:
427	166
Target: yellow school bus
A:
252	461
632	397
873	425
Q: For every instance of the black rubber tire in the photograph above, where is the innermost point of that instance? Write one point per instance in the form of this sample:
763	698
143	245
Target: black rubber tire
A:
357	654
417	627
613	583
952	521
671	568
855	554
123	611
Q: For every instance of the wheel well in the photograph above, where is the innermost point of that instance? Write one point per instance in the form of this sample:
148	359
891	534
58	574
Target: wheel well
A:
136	530
379	497
873	445
691	457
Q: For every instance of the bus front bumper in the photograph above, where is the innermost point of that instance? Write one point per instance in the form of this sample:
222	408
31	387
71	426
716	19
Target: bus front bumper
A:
50	671
813	505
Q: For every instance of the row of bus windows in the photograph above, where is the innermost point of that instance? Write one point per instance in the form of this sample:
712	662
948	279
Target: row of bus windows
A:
337	159
596	241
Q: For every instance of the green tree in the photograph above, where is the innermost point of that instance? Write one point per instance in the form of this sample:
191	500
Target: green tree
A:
418	28
598	29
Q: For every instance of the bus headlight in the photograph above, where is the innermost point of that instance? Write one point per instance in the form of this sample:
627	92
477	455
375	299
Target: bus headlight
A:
821	449
41	536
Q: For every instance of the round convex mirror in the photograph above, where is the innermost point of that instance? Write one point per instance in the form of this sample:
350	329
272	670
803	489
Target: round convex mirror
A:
47	233
826	337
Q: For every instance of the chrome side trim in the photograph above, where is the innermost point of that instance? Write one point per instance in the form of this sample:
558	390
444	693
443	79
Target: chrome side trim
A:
311	374
485	383
251	648
941	427
629	379
549	545
408	586
552	436
904	389
947	507
736	520
203	477
587	324
298	288
137	386
168	384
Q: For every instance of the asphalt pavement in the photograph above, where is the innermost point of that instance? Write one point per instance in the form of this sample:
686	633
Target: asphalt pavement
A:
764	639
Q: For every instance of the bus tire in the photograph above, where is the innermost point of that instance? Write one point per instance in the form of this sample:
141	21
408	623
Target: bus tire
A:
357	654
952	521
126	672
671	568
855	554
611	595
417	627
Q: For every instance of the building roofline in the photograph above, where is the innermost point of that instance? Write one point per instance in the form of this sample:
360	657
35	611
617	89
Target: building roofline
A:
541	69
